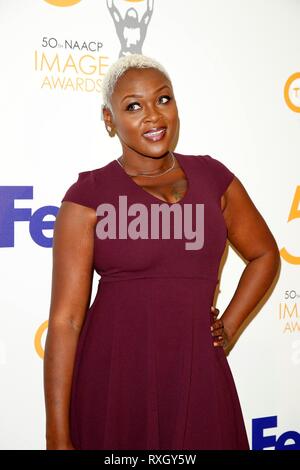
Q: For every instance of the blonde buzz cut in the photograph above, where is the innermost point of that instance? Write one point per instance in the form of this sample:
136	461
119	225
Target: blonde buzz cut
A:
118	68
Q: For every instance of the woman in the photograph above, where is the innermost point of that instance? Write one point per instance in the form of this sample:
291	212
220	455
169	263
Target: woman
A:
144	366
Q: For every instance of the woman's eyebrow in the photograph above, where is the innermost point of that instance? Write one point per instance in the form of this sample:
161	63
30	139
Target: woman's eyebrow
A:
141	96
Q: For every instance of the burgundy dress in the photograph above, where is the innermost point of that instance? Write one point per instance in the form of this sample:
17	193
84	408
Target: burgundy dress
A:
146	374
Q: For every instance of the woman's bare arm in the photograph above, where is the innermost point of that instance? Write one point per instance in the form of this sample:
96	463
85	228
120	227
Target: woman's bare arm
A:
72	276
250	235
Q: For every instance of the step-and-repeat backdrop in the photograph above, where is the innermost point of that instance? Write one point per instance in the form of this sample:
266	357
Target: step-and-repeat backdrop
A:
235	70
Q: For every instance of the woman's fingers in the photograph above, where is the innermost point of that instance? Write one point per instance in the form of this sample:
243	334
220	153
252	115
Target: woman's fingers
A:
217	329
220	342
217	332
217	325
215	312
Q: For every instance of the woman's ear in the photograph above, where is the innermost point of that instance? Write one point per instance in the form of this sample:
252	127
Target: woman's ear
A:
108	120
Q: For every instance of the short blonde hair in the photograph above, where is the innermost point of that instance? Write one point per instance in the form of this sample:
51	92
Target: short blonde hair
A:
118	68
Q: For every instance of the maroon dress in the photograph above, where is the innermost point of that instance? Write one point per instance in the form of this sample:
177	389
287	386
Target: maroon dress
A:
146	374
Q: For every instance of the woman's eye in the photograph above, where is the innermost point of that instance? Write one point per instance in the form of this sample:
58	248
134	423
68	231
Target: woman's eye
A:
131	106
165	97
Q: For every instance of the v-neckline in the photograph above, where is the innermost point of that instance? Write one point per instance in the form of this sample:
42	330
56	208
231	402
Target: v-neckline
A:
151	196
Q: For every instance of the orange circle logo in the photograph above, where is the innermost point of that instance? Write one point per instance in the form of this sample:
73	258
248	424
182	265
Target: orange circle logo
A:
293	105
69	3
63	3
38	339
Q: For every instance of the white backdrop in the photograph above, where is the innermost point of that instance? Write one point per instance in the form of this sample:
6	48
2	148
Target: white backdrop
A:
235	70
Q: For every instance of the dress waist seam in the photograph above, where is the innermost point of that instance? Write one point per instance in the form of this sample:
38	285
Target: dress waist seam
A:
106	279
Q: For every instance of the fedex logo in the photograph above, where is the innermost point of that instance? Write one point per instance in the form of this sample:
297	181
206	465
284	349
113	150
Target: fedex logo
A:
9	215
289	440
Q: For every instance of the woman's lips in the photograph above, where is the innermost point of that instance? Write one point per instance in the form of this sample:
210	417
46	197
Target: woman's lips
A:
155	134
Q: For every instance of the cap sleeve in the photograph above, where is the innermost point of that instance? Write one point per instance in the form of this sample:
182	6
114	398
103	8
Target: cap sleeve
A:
82	191
222	176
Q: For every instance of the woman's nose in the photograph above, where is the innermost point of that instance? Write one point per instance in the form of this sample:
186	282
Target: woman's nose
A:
151	114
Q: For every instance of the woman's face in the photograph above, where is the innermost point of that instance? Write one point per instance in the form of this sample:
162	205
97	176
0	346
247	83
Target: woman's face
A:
144	113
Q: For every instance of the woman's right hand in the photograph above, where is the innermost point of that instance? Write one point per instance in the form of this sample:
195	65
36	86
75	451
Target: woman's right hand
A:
70	295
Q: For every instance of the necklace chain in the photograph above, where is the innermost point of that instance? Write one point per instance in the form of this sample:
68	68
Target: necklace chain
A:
151	176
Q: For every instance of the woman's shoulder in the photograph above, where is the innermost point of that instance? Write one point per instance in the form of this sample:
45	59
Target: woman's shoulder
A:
83	190
85	175
199	158
219	173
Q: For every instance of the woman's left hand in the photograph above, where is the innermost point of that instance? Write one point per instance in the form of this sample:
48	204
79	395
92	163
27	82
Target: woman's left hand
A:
218	331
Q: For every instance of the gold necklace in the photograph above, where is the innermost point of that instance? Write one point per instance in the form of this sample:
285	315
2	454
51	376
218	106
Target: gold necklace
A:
151	176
